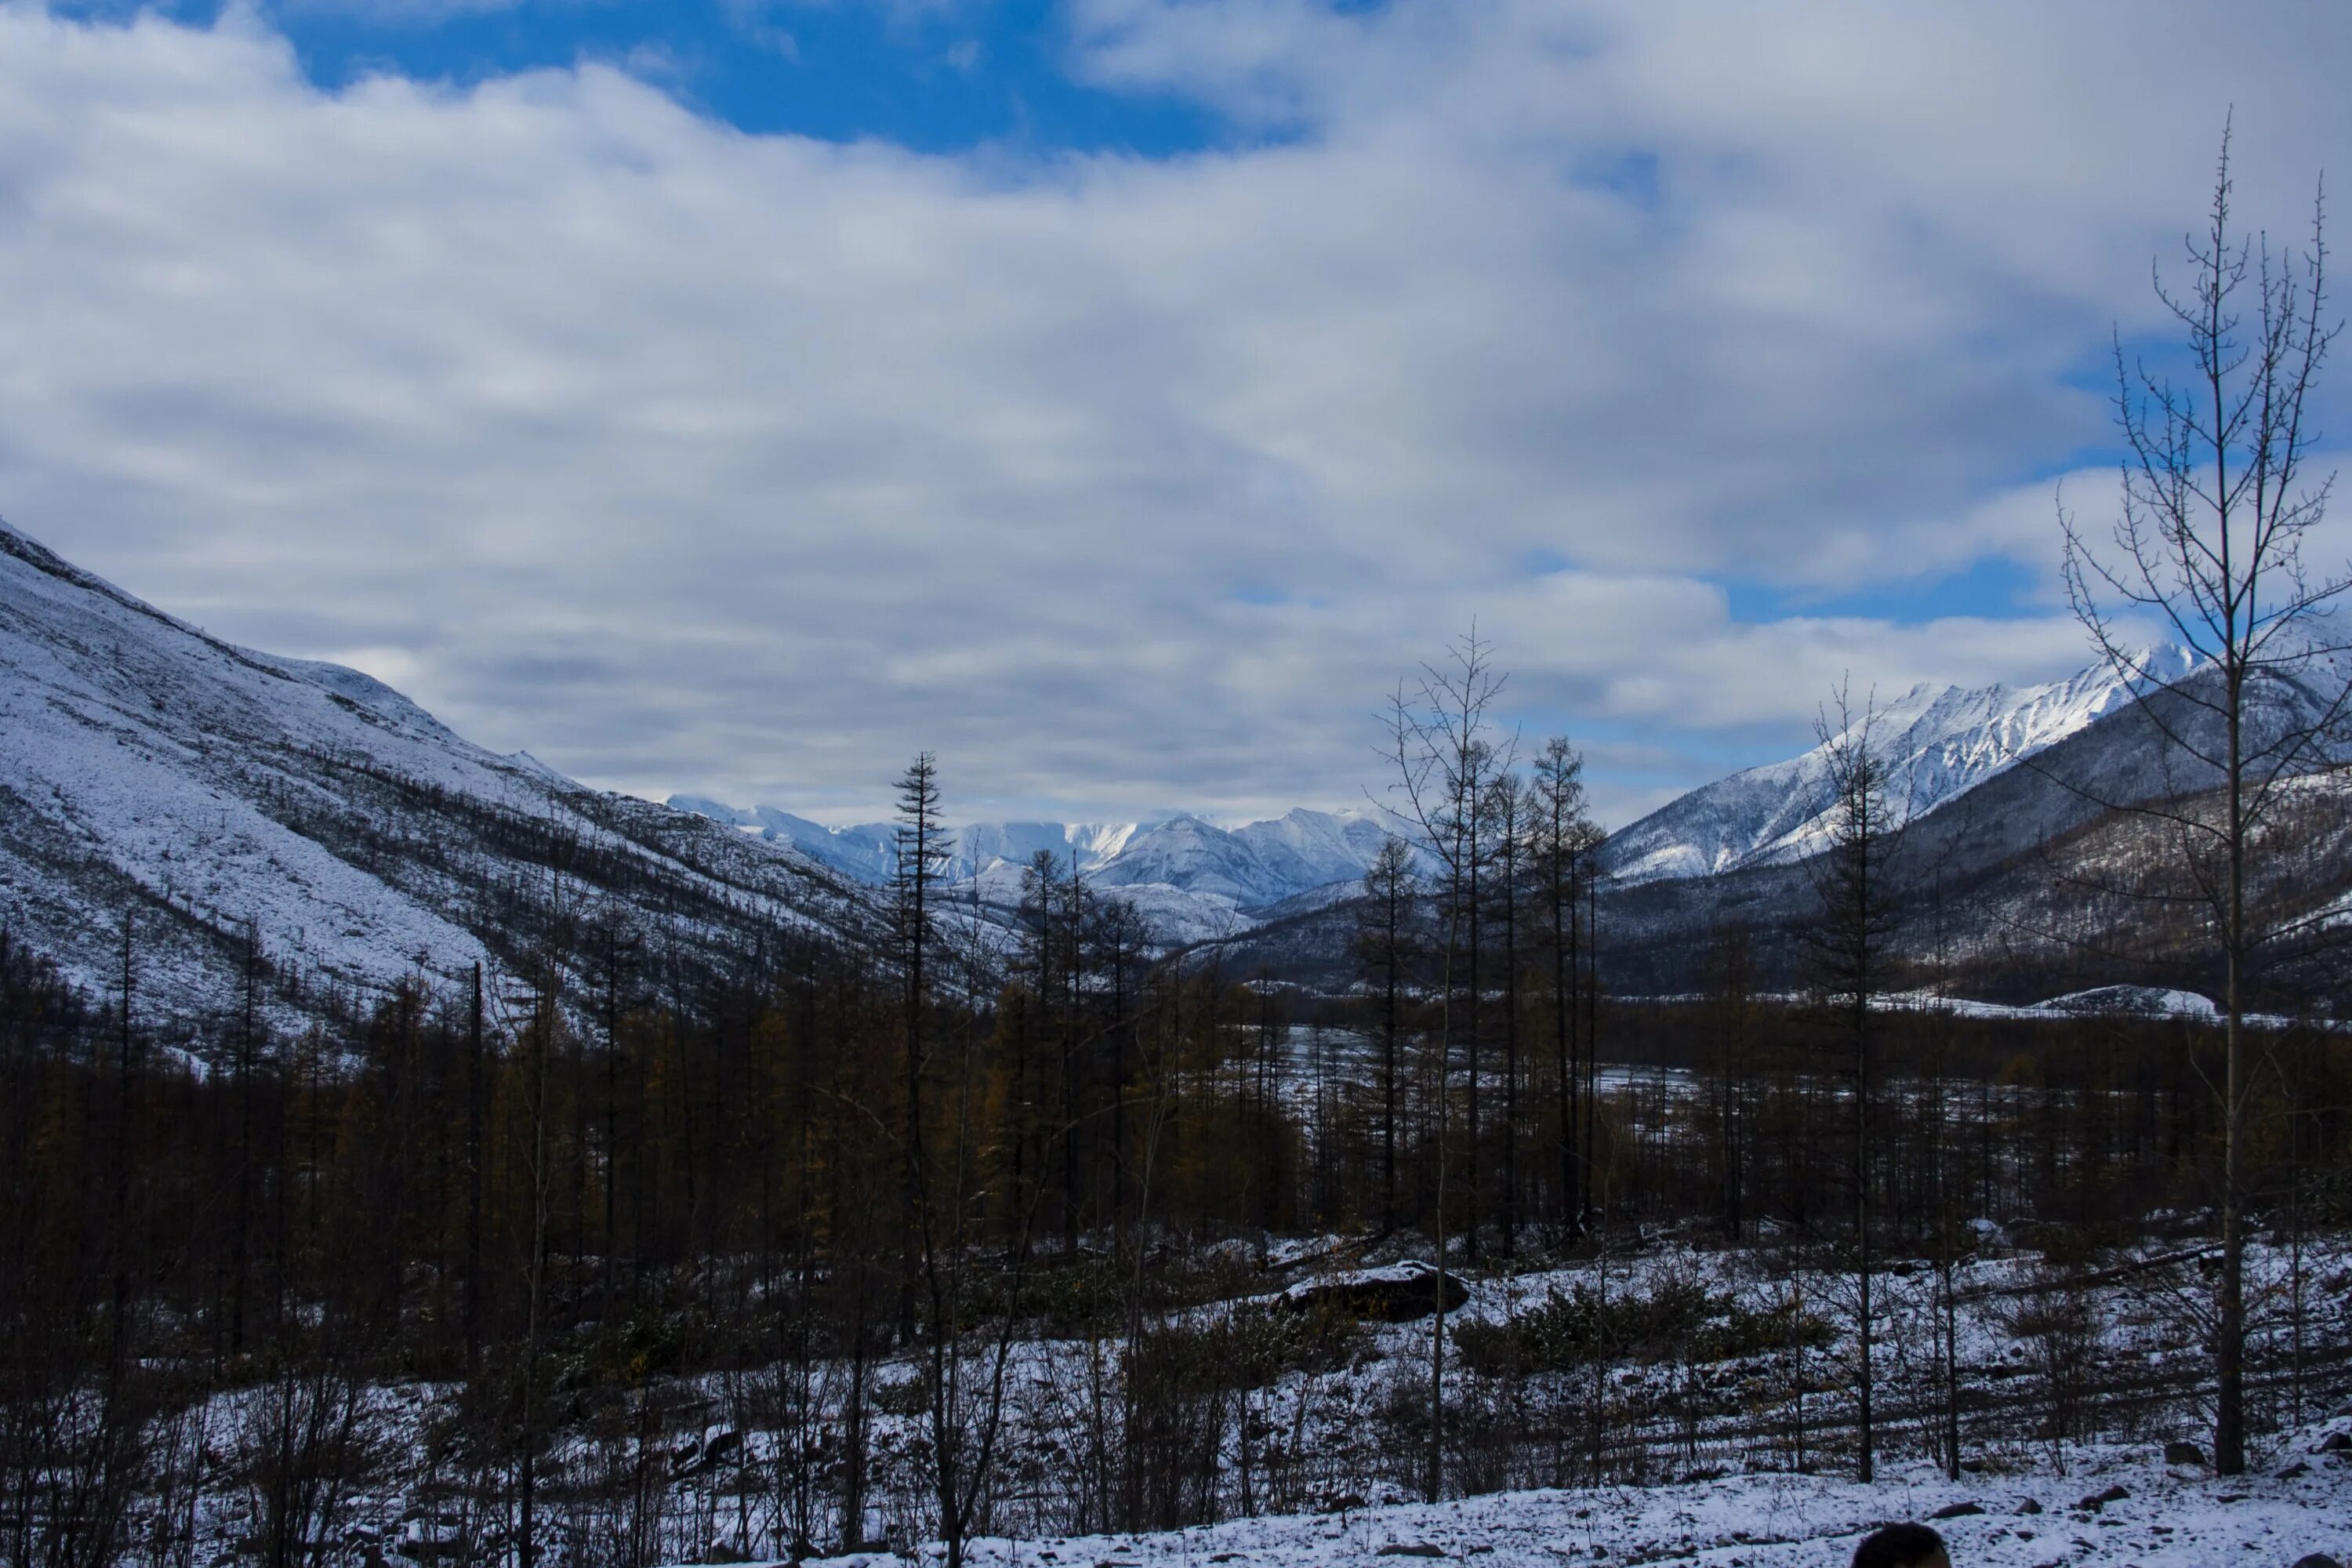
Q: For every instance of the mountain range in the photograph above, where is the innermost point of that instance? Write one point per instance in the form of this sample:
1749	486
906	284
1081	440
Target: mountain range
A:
1250	866
1937	744
229	803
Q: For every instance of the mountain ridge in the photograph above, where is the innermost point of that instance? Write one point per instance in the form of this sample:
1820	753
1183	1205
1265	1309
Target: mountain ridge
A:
1939	742
205	793
1254	865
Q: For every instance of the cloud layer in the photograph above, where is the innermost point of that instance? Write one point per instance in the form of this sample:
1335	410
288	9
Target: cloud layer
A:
751	464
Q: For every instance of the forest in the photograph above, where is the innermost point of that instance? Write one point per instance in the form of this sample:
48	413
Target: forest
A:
1026	1226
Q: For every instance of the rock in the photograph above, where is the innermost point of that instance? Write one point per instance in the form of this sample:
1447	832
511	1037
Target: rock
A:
2318	1560
2184	1454
1417	1549
2335	1442
2028	1506
2099	1500
1957	1511
1396	1294
2294	1471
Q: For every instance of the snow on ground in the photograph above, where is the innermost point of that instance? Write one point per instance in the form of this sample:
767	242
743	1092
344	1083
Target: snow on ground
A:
2102	1001
2172	1515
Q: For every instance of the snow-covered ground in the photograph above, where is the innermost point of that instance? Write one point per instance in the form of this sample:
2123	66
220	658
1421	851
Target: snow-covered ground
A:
2172	1515
1316	1458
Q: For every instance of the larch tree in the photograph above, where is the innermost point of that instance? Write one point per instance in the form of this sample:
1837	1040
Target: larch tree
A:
2216	507
1850	948
1563	836
1508	808
920	848
1385	950
1439	741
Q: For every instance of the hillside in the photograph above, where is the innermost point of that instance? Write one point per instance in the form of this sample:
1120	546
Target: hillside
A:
202	791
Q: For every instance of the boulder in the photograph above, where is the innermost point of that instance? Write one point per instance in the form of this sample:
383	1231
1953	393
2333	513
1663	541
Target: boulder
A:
1957	1511
2184	1454
2099	1500
1396	1294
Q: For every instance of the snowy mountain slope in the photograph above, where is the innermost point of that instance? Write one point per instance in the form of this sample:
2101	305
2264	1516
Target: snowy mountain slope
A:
149	769
1303	850
1195	857
1939	744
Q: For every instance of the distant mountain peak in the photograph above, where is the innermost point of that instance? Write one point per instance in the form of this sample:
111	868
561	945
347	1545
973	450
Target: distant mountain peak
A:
1940	741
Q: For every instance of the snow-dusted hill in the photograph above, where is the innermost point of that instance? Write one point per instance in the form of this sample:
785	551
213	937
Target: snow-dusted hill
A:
1939	744
149	769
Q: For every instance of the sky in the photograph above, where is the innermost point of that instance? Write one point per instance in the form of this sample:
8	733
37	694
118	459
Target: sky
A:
1116	398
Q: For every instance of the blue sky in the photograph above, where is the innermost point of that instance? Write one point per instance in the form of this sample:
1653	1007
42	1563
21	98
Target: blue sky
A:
938	75
1116	397
934	76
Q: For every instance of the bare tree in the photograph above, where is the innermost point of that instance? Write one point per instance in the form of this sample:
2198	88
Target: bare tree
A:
1849	949
1383	945
2215	510
1511	807
1439	743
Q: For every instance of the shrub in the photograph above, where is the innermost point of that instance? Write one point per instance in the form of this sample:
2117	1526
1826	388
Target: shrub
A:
1679	1321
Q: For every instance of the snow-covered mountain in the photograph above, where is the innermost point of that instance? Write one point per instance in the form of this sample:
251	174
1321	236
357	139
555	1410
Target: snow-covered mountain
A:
150	770
1224	869
1938	744
868	851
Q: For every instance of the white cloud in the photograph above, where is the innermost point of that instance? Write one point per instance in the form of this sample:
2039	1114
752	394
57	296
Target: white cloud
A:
690	459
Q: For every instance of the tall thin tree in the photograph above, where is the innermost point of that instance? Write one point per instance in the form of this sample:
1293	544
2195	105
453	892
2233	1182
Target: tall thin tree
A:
1850	949
2215	509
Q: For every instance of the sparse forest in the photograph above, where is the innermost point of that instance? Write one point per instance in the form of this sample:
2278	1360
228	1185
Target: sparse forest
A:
1035	1226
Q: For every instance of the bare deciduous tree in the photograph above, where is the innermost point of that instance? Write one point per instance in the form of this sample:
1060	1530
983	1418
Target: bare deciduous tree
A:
2216	508
1849	949
1438	742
